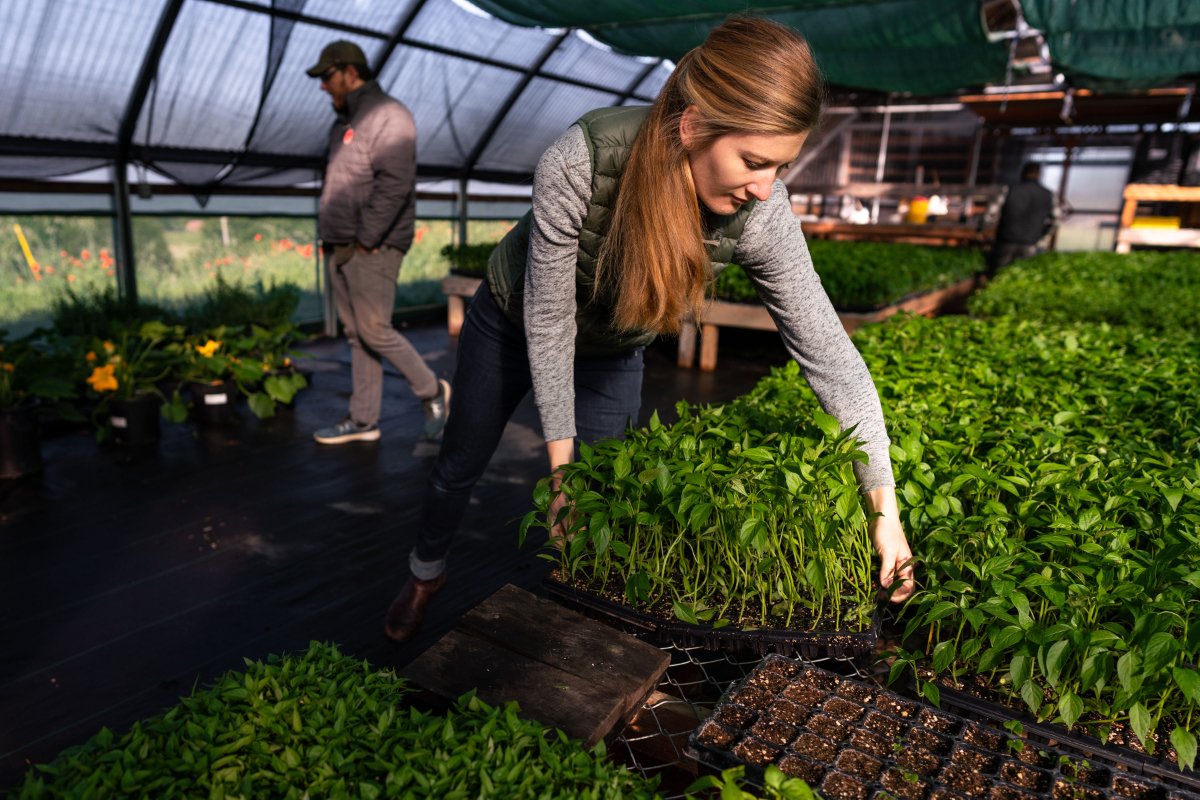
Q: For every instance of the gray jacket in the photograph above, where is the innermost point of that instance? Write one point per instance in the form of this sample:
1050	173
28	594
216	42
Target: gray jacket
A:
367	195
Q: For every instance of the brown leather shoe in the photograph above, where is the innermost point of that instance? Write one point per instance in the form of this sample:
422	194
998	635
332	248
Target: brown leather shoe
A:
407	611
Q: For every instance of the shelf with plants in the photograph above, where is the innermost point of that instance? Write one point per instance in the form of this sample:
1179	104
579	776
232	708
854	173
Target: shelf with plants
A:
867	282
730	528
1184	232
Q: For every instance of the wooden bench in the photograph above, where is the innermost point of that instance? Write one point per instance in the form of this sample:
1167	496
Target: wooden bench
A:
565	671
458	289
756	317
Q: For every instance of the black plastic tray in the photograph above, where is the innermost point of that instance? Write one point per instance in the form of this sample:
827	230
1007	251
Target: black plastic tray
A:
897	746
1132	761
762	641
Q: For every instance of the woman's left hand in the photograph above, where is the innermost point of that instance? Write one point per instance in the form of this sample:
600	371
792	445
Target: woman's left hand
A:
887	534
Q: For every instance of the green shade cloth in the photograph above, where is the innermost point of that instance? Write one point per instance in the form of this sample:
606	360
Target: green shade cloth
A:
922	47
1120	44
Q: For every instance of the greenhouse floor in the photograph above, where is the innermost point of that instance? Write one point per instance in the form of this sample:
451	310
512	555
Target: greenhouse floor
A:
129	578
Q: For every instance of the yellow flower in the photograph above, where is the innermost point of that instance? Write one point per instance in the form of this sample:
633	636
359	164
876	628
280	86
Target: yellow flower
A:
266	367
287	362
109	347
90	357
103	379
208	348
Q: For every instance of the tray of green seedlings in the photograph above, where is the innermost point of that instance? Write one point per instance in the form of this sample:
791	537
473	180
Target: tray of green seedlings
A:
730	528
857	741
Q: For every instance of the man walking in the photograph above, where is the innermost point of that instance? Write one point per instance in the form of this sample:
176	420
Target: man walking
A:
1029	213
366	220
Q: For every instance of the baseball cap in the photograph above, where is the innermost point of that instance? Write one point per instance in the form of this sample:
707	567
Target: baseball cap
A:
338	54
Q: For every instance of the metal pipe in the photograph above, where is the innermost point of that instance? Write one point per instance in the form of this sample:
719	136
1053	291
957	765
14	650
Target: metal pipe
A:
881	161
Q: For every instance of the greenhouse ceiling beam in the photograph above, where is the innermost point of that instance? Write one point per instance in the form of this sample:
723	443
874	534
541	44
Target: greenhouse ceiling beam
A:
628	94
122	223
503	108
398	36
371	33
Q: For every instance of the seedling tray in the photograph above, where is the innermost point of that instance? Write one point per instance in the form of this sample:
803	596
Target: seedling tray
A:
762	641
853	740
1155	769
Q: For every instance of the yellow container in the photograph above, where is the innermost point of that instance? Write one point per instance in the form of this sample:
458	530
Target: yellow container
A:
1162	223
918	211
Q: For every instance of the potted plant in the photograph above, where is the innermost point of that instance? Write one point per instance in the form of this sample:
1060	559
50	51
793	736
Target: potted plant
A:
213	373
32	373
272	349
125	374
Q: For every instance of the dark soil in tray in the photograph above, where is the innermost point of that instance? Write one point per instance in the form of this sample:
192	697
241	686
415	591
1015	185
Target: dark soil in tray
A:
855	740
801	625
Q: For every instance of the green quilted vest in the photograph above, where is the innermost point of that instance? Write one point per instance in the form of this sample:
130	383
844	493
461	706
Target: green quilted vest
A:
609	133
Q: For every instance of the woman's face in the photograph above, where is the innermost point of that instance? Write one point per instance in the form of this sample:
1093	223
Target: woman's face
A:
738	166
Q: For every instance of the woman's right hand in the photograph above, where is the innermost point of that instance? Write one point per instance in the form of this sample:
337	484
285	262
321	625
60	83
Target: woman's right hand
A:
560	452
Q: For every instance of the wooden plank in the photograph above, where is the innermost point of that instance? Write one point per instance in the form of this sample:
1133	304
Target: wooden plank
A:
1162	193
687	345
460	285
709	336
563	669
455	312
457	288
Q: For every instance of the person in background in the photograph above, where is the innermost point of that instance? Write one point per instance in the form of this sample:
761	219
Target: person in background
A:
634	211
366	217
1029	213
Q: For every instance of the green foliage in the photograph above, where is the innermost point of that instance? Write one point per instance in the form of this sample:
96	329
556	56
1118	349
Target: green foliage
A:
37	368
863	276
776	785
102	314
226	303
1049	482
746	513
325	725
1154	290
469	259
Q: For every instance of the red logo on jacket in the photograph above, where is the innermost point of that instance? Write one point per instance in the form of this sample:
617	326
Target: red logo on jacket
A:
348	136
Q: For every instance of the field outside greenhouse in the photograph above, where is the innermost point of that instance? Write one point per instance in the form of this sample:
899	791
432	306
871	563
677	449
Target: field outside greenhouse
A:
47	258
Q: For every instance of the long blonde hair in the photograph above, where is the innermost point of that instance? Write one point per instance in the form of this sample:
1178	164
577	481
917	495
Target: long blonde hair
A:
751	75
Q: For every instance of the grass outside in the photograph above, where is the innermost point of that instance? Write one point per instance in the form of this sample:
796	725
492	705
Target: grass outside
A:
179	258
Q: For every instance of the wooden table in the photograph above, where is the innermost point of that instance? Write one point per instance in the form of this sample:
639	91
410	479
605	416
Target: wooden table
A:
756	317
458	289
565	670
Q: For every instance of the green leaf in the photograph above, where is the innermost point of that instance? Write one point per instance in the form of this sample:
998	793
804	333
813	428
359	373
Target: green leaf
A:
685	613
943	655
1160	651
1173	496
828	424
1055	658
1070	707
1020	669
1188	681
1141	722
1009	635
262	405
1185	747
1127	666
1031	693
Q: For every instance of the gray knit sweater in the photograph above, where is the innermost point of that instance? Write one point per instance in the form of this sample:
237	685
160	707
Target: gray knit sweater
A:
773	253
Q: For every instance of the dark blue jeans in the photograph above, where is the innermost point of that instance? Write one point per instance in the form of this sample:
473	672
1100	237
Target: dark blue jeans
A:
491	378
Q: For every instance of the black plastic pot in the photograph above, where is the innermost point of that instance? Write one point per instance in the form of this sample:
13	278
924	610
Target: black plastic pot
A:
20	441
212	403
134	421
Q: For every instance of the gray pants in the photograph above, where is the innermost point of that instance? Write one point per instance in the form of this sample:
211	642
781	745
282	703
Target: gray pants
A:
364	291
